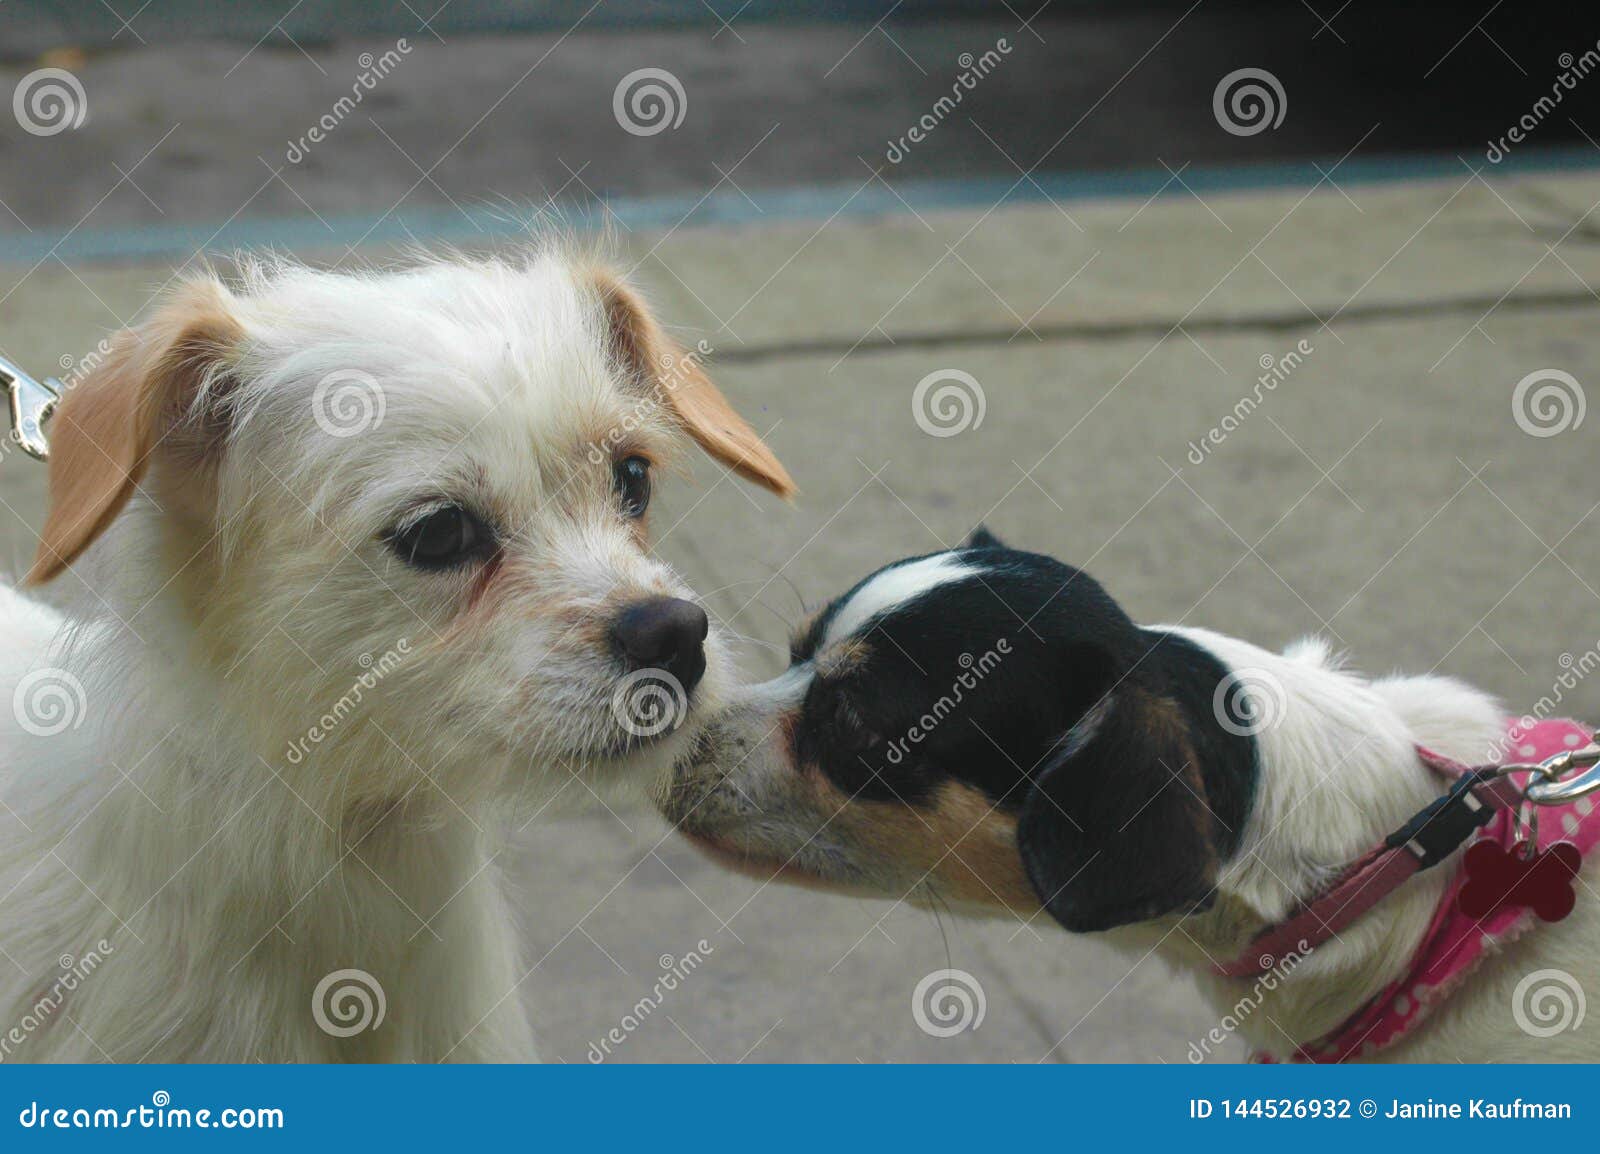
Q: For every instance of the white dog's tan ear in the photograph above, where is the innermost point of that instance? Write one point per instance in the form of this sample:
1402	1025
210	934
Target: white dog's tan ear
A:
658	362
106	427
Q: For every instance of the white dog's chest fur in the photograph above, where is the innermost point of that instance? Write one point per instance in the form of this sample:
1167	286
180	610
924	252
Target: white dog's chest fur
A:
206	946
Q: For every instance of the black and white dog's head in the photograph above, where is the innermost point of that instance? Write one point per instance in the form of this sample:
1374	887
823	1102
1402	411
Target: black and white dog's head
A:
983	727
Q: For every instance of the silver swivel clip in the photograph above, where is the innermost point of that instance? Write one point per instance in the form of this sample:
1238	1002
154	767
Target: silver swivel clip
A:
31	403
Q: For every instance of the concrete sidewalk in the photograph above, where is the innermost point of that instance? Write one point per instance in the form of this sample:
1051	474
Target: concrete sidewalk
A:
1383	492
179	130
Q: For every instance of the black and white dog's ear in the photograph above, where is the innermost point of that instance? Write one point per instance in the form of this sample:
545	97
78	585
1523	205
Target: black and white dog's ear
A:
1116	828
981	538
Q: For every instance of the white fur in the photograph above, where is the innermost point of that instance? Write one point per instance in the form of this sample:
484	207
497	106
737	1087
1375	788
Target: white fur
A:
895	587
1338	773
169	831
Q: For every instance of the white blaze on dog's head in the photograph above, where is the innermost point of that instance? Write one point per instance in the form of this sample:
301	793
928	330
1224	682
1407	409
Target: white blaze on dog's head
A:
310	470
893	587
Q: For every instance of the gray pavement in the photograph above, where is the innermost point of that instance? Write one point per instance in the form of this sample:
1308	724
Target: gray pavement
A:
1384	494
178	128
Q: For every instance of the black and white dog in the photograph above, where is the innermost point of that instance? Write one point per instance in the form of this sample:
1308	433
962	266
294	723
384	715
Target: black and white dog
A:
988	729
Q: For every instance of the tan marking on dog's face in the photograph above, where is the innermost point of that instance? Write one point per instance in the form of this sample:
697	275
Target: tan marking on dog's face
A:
964	844
1165	720
838	660
774	820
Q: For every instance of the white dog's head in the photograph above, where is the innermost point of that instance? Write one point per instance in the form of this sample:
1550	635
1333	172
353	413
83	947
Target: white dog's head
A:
437	480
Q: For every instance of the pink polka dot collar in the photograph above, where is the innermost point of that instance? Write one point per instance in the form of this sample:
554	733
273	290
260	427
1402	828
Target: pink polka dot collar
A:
1455	943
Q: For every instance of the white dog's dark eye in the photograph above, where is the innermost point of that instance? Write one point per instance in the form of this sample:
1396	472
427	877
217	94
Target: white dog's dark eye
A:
442	539
632	477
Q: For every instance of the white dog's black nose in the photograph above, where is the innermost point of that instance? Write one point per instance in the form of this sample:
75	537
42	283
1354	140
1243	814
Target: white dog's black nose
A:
665	633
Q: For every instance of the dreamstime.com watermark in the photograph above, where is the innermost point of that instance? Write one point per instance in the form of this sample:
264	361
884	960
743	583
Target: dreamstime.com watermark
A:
160	1114
1574	670
75	370
1548	1002
48	101
375	670
973	69
1275	370
675	971
348	1002
948	402
648	702
649	101
974	670
672	372
373	69
1248	701
1573	69
1548	402
49	701
74	972
1274	971
1248	101
948	1002
347	403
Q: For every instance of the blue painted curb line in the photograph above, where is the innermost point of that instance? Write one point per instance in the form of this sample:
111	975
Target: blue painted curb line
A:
725	208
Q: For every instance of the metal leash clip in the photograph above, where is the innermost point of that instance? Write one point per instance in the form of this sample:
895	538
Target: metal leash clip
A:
1553	786
31	404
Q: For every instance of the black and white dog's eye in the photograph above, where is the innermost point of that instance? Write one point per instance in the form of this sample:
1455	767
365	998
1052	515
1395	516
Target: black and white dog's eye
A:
632	478
442	539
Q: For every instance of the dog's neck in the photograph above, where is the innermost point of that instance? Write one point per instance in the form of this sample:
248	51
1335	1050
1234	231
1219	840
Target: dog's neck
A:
242	886
1337	771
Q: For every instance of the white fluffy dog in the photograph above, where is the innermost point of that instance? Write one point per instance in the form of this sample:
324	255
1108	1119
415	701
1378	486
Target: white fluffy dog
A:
367	571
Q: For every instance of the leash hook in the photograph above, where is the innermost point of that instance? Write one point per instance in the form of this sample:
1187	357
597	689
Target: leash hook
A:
31	404
1554	787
